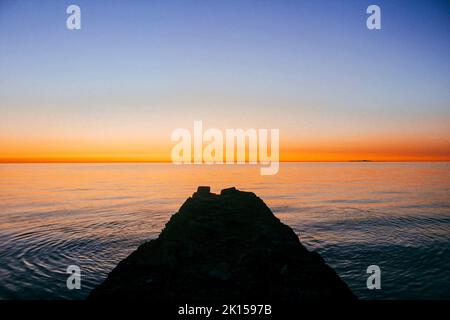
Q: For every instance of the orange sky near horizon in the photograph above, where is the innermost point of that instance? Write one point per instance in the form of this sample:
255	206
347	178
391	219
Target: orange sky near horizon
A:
291	150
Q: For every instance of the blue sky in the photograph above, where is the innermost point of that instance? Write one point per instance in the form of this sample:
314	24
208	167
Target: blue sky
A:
310	67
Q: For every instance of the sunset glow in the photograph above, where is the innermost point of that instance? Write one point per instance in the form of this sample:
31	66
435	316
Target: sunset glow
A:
114	92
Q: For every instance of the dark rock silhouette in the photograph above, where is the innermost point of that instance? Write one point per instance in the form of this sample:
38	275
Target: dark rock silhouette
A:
223	247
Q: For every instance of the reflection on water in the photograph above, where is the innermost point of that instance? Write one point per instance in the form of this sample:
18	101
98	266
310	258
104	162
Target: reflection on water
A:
395	215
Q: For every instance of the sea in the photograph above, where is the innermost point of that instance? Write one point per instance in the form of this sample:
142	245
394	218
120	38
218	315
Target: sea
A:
355	215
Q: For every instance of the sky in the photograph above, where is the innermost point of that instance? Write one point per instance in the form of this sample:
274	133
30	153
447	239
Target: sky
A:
137	70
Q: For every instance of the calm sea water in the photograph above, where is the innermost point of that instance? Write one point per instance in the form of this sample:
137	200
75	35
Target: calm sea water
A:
394	215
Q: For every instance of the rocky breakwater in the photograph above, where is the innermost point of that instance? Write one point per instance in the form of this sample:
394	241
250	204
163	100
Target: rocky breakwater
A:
223	247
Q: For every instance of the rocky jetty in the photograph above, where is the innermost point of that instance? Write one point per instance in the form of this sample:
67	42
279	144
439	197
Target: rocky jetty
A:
227	247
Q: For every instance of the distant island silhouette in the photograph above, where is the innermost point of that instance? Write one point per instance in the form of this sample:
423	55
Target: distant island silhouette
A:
223	247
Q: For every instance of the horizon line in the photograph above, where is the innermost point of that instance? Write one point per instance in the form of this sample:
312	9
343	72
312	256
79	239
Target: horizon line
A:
170	162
